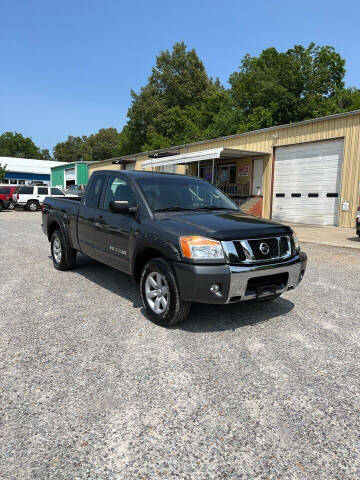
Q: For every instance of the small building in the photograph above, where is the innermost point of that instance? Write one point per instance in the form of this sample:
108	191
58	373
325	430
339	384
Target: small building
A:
67	174
23	171
306	172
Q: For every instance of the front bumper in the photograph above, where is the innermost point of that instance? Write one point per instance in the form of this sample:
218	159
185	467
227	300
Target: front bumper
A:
239	283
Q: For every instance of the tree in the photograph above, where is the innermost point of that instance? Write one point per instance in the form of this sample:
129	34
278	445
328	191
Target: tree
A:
69	151
283	87
101	145
2	171
13	144
176	105
106	143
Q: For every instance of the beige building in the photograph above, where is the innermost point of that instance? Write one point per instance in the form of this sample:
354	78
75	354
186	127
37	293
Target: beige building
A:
306	172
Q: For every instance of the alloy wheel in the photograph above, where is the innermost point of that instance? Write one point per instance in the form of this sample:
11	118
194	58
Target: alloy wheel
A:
157	292
57	250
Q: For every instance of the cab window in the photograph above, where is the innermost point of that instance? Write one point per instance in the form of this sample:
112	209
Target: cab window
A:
94	192
118	189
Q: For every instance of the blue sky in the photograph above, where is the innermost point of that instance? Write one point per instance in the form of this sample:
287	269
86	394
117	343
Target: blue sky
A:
68	66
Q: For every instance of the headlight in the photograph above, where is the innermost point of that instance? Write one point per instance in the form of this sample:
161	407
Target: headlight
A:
296	243
201	248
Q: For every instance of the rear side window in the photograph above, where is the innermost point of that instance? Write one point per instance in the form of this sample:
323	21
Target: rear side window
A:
56	191
94	191
43	191
26	190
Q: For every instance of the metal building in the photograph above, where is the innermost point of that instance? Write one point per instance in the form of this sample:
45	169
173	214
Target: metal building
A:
306	172
22	171
67	174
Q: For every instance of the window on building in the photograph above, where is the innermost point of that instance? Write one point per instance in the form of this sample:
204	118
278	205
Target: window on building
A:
227	174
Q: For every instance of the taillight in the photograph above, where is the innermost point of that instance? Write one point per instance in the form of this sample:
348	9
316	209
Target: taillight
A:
17	196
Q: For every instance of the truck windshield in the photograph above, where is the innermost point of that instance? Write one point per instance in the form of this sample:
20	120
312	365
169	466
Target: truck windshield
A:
183	193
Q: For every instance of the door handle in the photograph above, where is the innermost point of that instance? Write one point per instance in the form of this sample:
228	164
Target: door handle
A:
99	222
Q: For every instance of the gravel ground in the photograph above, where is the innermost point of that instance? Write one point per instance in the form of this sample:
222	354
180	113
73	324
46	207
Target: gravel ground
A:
91	389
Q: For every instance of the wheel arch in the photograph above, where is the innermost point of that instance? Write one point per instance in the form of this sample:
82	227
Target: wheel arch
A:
142	256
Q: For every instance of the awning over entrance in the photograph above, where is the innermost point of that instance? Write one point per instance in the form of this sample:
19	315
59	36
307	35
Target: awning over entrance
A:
213	153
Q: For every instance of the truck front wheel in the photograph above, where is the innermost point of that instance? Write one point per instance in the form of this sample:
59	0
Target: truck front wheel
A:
160	294
64	257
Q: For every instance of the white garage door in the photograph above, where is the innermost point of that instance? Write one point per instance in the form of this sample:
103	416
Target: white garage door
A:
307	181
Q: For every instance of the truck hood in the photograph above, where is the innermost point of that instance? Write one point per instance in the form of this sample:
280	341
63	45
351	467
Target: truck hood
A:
222	225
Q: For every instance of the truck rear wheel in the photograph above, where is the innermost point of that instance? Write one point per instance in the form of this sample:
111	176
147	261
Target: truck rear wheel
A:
63	256
160	294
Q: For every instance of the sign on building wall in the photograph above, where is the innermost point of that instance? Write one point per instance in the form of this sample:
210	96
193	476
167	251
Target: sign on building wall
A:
243	171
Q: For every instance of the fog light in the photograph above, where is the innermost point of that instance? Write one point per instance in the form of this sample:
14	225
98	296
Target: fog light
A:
214	288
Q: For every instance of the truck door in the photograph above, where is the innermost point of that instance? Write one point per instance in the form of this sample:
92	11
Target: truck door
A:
89	221
112	239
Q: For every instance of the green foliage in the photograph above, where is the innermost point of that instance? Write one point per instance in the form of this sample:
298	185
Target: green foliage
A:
106	143
69	151
13	144
180	103
177	104
2	171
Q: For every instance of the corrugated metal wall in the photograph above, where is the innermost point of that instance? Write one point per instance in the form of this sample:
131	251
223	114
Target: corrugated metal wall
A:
265	141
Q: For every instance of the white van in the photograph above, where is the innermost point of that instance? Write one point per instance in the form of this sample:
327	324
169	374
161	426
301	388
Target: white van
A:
31	197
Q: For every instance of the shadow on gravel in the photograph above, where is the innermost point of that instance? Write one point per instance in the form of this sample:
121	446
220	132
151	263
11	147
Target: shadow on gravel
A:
216	318
354	239
109	278
203	318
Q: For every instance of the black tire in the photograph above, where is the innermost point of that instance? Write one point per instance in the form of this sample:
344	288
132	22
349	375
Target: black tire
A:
67	258
1	206
11	206
32	206
176	310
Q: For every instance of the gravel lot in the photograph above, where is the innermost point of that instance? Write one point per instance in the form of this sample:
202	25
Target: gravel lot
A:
91	389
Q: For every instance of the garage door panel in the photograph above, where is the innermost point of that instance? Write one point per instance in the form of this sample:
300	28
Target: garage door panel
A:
313	168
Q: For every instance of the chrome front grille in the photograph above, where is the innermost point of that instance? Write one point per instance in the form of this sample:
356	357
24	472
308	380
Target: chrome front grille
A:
256	250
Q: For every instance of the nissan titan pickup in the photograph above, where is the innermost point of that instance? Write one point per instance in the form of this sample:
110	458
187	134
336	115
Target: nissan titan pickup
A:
180	238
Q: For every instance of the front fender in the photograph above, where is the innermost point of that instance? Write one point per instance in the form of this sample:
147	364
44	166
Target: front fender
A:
155	243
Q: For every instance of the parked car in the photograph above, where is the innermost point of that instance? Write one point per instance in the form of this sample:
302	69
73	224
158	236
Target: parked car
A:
75	190
180	238
32	197
358	222
6	193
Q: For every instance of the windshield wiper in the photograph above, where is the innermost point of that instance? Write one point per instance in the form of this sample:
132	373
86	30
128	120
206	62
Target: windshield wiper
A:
173	209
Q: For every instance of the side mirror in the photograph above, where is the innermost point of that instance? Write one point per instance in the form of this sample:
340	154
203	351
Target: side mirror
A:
119	206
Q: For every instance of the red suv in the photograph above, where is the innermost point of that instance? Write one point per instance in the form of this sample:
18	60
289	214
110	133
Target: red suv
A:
6	200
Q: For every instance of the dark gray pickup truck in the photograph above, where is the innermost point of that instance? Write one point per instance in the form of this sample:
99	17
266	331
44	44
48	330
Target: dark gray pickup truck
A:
180	238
